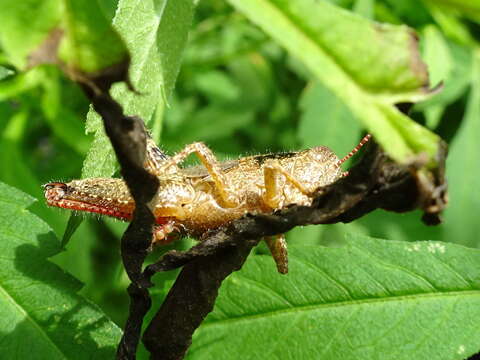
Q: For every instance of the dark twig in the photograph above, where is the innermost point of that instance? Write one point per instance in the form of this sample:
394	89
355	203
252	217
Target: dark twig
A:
374	183
128	138
192	297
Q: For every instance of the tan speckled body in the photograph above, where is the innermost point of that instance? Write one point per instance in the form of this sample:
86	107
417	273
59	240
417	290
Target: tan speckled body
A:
312	168
196	199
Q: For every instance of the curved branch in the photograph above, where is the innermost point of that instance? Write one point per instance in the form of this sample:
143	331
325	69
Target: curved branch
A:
128	137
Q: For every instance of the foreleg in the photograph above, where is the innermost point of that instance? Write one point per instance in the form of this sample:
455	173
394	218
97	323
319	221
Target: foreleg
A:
154	157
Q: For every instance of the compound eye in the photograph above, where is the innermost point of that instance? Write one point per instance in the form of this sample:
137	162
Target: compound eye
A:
55	190
53	185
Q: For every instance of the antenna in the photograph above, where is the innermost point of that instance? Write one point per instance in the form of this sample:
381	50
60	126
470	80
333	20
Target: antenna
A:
355	150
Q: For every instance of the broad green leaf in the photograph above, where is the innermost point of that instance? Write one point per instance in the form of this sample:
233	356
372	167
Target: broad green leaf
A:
155	33
463	172
328	40
323	121
14	169
41	316
366	300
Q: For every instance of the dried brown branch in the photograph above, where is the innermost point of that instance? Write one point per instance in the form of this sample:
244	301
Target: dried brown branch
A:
128	138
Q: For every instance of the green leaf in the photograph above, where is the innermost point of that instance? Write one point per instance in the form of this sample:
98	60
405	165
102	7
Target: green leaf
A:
388	71
90	43
323	121
85	38
455	82
162	26
5	72
22	82
24	25
100	160
450	24
467	8
436	54
64	122
368	299
172	35
40	313
364	8
72	225
463	171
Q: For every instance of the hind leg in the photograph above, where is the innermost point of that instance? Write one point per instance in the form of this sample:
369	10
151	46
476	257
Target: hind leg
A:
207	158
278	248
274	174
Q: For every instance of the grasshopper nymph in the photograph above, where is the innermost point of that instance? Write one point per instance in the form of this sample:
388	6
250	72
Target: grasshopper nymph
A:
195	199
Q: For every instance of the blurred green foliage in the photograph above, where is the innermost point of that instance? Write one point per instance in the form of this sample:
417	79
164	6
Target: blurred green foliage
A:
241	93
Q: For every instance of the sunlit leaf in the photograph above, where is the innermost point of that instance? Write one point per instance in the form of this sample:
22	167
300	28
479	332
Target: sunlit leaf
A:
41	316
24	25
162	26
368	299
323	121
461	217
90	43
388	71
75	33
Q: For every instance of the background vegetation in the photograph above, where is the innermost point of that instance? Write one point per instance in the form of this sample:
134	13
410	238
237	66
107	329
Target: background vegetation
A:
242	93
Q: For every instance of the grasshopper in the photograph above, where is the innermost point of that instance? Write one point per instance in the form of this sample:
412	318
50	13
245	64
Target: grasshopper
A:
196	199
